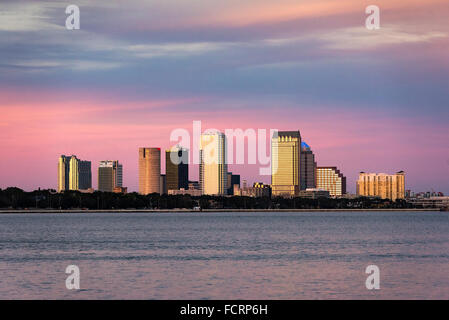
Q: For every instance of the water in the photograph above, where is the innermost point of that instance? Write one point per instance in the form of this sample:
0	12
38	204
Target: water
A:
225	255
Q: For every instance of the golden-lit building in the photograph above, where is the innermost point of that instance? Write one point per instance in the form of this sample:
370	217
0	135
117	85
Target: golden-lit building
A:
177	168
149	170
332	180
63	173
285	163
258	189
74	174
385	186
213	164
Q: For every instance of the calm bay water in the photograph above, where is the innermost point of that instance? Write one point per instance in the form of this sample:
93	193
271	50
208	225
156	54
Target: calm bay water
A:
319	255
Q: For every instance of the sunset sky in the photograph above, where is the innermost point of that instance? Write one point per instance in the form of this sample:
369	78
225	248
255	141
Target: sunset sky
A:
375	101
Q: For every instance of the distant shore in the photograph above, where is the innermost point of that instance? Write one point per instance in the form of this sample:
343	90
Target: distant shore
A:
25	211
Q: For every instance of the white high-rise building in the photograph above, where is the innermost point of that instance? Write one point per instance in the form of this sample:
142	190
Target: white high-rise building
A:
110	175
213	163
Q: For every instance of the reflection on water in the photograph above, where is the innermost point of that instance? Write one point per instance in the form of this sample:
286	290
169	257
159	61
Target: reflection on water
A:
225	255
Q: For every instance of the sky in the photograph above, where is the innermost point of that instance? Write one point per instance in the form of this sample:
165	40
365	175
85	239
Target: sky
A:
364	100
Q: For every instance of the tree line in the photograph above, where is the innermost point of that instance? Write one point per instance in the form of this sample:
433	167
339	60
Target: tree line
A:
15	198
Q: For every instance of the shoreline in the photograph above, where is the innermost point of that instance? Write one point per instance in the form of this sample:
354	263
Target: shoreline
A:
36	211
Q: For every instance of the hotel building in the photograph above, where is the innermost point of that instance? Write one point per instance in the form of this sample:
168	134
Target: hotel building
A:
74	174
285	163
177	168
149	170
385	186
110	175
332	180
213	168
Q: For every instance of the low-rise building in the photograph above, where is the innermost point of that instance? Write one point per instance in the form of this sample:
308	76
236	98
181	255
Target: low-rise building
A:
257	190
314	193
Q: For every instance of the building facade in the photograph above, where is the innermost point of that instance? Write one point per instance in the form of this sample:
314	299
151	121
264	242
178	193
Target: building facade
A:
177	168
63	173
74	174
149	170
233	179
332	180
163	184
308	167
110	175
213	164
285	163
314	193
385	186
257	190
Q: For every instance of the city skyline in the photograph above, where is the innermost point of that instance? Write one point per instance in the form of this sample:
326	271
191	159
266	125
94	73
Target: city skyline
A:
155	161
373	101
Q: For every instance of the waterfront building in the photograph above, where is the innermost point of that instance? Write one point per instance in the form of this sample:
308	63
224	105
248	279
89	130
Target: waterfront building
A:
63	173
213	164
308	167
385	186
163	184
123	190
182	191
257	190
177	168
233	179
285	163
110	175
149	170
332	180
74	174
314	193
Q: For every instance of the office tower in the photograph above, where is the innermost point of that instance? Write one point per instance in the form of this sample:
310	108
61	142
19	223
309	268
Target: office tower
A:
110	175
332	180
285	163
308	167
385	186
213	163
63	173
74	174
85	175
233	179
163	184
177	168
149	170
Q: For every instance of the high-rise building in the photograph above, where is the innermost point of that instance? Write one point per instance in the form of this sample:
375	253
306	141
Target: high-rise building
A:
213	163
85	175
163	184
74	174
308	167
233	179
285	163
177	168
385	186
63	173
110	175
149	170
332	180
